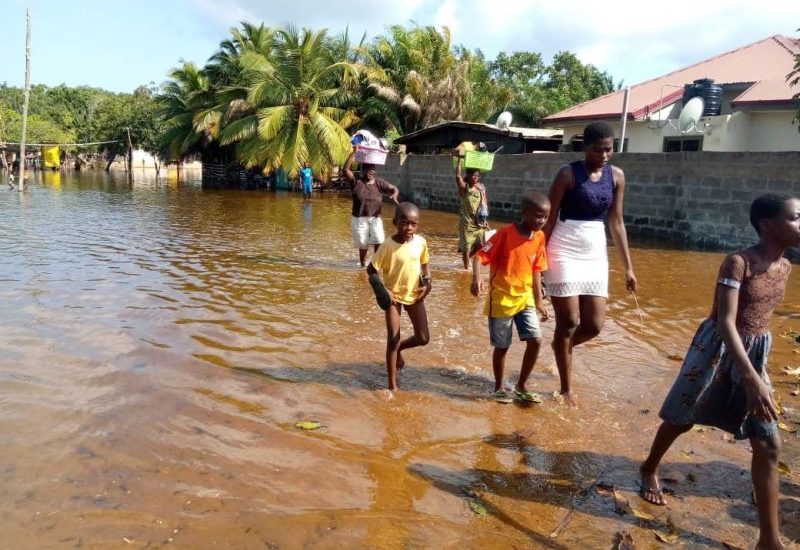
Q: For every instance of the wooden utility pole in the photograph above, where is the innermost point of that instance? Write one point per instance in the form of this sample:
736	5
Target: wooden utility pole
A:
26	98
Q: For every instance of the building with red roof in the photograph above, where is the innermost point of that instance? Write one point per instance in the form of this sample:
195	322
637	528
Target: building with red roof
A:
756	108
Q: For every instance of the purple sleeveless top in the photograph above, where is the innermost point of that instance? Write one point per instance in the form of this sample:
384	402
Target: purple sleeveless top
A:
588	200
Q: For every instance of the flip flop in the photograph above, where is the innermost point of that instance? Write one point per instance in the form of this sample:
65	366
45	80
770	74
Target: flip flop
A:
659	493
382	295
501	396
527	397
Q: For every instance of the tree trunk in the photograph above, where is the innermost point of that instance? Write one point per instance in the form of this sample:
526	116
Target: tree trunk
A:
110	162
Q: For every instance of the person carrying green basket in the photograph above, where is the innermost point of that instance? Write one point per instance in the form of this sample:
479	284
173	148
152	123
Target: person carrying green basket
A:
473	219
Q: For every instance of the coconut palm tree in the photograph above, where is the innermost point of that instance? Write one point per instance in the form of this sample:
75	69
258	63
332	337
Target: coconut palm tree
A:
300	104
188	92
416	78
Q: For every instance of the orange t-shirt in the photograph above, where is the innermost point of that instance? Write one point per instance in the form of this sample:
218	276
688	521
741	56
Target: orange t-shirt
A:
513	259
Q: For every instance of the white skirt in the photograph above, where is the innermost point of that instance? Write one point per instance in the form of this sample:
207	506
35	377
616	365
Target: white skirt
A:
577	259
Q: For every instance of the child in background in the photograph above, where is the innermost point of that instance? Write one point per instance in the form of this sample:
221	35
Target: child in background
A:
473	217
307	179
368	189
723	381
402	263
517	258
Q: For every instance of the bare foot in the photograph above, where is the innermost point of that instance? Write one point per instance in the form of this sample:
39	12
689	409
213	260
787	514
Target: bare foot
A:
401	363
569	399
651	489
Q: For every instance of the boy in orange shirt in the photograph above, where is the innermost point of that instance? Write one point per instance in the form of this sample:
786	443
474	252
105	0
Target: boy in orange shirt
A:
517	258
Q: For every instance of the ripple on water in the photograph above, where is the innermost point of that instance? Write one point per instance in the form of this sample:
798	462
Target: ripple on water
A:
160	342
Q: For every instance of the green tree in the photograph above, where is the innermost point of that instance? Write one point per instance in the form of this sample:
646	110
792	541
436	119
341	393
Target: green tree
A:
416	78
129	119
524	74
488	96
300	104
183	98
539	89
569	82
40	130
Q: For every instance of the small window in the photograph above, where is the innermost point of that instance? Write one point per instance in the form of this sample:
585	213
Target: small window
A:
678	144
576	144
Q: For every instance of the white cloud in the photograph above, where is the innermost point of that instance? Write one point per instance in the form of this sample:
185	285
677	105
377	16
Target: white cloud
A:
360	15
632	41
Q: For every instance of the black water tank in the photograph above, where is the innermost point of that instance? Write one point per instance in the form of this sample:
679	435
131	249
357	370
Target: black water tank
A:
710	92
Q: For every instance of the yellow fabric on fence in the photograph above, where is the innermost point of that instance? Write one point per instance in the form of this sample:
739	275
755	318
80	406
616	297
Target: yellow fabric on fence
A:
51	156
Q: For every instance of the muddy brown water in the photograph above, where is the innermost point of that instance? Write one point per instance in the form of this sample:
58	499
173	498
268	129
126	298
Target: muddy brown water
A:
160	342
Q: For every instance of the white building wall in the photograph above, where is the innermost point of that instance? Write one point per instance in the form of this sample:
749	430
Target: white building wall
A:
142	158
740	131
773	131
727	132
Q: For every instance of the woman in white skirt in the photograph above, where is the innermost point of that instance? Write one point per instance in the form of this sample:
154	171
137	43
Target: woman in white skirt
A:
584	194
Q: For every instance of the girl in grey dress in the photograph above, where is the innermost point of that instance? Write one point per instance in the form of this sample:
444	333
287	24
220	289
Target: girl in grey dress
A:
723	381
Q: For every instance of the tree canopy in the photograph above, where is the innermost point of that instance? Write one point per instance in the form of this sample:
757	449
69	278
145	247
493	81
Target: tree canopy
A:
271	98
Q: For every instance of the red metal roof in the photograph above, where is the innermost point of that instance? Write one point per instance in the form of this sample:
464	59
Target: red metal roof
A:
764	63
766	91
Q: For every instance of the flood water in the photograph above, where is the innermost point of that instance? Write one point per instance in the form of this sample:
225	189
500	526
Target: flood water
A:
159	343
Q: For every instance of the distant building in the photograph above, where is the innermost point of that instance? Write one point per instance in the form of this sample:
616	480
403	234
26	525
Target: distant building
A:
143	159
756	105
506	141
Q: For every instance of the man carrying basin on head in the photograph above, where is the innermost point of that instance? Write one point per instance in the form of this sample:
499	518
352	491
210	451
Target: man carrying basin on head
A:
366	226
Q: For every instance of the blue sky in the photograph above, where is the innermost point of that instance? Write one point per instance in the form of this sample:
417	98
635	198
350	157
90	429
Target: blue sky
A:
121	44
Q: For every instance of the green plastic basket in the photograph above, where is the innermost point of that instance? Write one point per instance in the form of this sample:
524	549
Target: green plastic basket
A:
478	159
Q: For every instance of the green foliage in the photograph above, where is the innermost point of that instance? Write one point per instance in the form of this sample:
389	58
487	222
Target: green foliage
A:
298	102
274	98
415	78
136	113
40	129
488	95
539	89
62	114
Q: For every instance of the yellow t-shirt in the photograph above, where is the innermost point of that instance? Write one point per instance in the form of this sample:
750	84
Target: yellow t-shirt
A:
400	265
513	259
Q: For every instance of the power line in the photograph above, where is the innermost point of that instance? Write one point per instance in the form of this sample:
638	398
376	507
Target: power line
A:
7	143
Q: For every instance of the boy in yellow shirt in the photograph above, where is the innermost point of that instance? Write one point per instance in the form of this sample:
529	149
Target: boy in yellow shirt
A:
402	261
517	258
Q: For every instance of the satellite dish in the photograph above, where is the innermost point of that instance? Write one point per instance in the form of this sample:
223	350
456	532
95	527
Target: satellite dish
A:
690	115
503	120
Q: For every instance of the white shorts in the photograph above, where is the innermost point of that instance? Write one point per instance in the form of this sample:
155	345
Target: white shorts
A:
366	231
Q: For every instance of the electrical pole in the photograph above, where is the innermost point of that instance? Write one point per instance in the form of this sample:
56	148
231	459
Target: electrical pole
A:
26	96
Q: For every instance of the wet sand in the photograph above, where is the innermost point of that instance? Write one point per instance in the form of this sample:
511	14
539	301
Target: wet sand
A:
160	343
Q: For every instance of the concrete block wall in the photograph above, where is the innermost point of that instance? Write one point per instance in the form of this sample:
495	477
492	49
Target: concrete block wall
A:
695	200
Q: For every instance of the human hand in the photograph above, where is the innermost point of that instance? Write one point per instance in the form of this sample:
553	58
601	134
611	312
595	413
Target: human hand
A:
477	287
630	280
395	196
759	401
544	315
424	289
